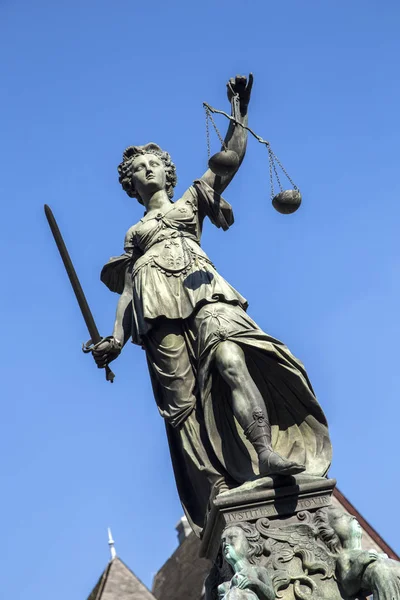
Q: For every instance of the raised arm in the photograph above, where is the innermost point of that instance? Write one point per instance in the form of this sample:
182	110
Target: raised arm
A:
236	137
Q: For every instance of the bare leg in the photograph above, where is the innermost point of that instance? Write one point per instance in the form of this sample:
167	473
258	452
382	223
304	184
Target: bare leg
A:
249	409
231	364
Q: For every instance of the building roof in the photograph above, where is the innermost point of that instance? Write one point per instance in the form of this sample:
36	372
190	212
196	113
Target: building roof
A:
182	576
118	582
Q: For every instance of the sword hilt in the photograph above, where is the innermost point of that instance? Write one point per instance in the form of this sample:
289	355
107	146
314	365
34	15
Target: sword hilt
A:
88	347
109	375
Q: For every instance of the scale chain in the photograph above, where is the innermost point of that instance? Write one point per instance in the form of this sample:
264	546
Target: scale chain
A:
210	118
276	172
208	133
284	171
271	177
271	155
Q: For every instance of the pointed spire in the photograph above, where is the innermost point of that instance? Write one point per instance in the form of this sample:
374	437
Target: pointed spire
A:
111	544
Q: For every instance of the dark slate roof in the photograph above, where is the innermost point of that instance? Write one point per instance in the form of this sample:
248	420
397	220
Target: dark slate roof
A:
182	576
117	582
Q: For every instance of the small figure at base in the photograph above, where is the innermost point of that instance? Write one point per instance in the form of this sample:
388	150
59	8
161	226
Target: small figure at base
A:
241	544
360	572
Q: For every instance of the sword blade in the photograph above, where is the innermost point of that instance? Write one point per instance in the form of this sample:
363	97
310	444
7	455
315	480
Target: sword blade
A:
75	283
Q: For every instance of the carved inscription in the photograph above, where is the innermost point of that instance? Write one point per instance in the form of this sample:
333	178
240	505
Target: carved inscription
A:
317	502
248	515
278	508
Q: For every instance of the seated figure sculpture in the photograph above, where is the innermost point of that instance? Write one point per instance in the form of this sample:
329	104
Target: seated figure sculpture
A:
360	572
237	404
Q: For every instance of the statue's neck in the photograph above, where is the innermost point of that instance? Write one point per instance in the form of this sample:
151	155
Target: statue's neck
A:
240	565
352	544
156	201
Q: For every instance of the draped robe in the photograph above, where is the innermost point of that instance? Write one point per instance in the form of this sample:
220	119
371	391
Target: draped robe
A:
182	310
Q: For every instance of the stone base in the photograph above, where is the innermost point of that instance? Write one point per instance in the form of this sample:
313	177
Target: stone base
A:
270	528
266	497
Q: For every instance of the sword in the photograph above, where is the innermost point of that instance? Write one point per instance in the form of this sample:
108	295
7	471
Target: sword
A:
76	286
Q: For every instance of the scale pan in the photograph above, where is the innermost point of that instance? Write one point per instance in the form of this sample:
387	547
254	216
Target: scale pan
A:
224	163
287	202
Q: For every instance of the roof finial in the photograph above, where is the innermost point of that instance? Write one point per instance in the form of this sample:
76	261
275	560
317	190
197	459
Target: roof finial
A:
111	544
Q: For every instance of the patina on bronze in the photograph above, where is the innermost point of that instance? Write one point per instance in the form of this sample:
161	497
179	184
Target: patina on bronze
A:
236	403
361	572
240	544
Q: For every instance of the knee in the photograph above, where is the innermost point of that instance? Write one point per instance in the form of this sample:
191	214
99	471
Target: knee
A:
229	360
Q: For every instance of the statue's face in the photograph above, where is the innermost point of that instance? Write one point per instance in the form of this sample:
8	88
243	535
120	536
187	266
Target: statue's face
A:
346	527
234	544
148	174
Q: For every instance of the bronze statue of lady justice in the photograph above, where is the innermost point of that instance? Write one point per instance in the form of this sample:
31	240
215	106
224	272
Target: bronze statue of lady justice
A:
237	404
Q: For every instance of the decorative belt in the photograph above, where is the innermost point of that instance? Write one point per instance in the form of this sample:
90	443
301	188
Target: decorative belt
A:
174	257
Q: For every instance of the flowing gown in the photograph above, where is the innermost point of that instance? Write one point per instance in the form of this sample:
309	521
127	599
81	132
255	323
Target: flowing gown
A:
182	310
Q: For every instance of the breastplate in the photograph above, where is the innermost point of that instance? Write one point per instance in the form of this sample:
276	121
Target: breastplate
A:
173	256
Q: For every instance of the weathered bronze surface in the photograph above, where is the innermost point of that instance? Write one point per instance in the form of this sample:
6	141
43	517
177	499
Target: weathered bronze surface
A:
224	162
237	404
282	547
287	202
285	534
360	572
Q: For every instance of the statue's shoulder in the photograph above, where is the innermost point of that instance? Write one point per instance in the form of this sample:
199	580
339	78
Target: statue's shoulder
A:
131	230
113	272
130	238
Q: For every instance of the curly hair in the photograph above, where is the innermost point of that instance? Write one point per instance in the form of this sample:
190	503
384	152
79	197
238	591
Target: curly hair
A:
125	169
253	537
323	521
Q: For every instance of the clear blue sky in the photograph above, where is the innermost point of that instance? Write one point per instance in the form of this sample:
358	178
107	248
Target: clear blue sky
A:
81	81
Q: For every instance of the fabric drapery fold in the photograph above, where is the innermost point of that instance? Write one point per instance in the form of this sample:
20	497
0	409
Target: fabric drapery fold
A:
207	444
182	310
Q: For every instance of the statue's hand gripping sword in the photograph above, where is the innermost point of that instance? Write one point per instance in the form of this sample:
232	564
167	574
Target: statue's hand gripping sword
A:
76	286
